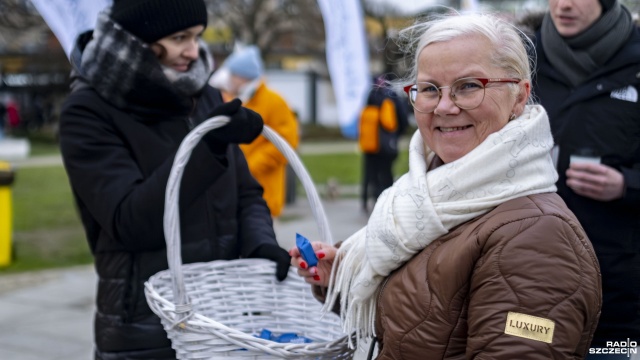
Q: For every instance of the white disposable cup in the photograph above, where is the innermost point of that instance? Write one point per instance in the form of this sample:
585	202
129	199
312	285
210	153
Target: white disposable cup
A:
584	159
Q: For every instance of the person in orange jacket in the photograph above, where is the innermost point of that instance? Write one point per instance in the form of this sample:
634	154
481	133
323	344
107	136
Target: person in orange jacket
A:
383	120
266	163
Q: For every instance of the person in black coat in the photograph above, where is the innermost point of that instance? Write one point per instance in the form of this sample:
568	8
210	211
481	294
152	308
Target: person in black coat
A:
140	85
587	78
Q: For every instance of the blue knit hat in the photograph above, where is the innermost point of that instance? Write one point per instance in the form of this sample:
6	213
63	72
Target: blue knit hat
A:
245	63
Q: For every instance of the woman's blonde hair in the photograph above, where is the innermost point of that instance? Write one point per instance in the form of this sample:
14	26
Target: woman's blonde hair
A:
509	43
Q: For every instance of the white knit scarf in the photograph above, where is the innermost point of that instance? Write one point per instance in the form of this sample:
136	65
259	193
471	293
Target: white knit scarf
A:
422	206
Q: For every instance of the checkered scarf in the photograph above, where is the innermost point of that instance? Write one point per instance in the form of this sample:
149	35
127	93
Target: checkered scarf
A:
123	69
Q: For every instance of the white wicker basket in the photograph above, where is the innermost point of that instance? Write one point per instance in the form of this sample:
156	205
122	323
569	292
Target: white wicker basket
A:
213	310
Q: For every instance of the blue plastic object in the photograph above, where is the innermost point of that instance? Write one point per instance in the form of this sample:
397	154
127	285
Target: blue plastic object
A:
265	334
291	338
306	250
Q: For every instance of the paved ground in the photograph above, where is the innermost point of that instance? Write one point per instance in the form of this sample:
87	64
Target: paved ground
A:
48	315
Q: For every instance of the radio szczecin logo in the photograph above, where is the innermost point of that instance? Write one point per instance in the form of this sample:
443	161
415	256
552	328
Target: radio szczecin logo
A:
617	347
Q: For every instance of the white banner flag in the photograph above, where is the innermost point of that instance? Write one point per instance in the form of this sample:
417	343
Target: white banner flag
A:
68	18
348	59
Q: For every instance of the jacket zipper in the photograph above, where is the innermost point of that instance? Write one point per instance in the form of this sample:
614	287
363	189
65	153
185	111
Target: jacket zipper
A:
190	122
384	284
374	339
131	297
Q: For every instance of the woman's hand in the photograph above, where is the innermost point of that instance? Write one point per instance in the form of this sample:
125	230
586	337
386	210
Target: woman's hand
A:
317	275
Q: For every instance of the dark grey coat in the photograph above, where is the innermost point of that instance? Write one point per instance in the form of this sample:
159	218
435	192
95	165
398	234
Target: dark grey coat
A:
118	159
118	164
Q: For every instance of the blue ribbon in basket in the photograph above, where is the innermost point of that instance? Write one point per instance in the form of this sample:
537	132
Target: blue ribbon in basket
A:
291	338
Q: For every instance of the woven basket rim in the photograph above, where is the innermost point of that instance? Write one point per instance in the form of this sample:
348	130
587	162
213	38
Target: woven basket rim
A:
178	315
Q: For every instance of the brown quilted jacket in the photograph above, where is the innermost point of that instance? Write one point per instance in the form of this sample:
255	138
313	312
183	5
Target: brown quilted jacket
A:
520	282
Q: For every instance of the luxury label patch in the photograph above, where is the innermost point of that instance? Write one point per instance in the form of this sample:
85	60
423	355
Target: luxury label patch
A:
529	327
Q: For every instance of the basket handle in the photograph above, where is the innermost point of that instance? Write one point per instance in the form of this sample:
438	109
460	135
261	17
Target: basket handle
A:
171	213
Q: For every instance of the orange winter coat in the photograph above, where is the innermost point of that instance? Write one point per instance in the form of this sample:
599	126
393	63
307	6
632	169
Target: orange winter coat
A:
266	163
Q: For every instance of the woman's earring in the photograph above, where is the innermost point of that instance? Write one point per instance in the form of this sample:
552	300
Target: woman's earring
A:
512	117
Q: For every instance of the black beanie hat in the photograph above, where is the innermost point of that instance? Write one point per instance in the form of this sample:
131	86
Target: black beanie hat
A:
151	20
607	4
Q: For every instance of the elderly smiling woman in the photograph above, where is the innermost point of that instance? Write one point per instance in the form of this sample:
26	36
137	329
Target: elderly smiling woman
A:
471	254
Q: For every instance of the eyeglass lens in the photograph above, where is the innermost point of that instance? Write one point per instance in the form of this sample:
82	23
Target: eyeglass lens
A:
465	93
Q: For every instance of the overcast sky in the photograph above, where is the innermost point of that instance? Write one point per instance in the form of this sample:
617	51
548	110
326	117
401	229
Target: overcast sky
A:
410	6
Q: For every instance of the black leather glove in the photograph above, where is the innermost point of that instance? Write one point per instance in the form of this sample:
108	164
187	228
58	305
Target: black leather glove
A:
244	126
277	254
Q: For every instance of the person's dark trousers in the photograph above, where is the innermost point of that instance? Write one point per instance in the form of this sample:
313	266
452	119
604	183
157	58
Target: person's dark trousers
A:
377	176
155	354
367	177
619	325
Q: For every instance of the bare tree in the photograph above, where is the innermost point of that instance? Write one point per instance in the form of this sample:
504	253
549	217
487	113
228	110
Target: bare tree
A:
272	25
18	15
386	48
20	24
383	48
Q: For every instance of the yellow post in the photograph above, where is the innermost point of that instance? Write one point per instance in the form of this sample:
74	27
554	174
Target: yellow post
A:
6	215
